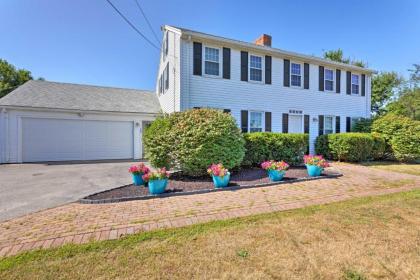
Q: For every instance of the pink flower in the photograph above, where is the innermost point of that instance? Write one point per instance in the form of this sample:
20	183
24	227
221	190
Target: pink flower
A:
217	170
317	160
275	165
159	174
140	168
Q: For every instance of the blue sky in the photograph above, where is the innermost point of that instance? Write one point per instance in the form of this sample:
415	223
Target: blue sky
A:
85	41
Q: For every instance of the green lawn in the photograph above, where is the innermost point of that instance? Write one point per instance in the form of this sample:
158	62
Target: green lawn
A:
374	237
413	169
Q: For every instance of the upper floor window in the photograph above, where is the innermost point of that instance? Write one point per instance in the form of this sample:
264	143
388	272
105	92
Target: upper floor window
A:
354	84
255	121
166	75
255	68
329	79
328	125
211	61
296	74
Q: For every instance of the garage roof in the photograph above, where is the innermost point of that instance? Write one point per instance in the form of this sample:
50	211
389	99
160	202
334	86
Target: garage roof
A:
53	95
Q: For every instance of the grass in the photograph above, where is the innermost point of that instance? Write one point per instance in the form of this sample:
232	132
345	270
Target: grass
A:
413	169
373	237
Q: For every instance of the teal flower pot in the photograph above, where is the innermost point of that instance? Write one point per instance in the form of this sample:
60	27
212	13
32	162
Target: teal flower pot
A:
313	170
221	182
157	186
137	179
275	175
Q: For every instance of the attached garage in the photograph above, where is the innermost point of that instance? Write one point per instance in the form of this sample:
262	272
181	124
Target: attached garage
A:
44	121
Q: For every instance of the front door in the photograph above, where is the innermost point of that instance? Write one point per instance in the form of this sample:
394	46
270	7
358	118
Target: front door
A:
295	124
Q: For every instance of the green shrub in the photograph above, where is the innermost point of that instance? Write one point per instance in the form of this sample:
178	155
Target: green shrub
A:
194	139
262	146
362	125
402	136
351	147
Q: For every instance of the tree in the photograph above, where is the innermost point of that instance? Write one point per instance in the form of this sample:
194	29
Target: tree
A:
337	55
384	86
11	78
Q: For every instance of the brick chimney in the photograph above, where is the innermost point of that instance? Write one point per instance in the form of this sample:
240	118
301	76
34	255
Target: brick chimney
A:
264	40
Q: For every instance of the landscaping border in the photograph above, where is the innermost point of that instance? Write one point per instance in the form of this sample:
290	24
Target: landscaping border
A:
86	200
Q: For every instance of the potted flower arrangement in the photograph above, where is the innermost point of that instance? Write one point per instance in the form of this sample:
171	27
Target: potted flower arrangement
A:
275	169
220	175
157	180
315	164
137	171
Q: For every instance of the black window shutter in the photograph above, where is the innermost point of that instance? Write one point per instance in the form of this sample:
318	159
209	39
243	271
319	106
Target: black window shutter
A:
306	124
337	81
167	76
285	123
321	124
321	78
306	76
337	124
348	124
267	121
286	73
268	69
244	121
226	63
348	82
166	43
363	84
197	54
244	66
196	108
226	110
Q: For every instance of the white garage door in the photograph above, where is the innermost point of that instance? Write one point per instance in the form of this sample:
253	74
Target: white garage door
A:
59	139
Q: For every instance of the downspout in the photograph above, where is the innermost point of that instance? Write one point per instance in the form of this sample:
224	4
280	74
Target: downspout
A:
174	72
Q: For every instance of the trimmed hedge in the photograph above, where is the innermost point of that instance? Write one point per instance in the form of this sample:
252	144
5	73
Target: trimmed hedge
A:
352	147
402	136
193	140
262	146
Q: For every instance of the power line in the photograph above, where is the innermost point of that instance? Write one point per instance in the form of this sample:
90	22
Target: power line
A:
132	25
147	20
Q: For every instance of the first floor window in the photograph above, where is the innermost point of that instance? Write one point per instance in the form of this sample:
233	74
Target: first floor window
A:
255	68
160	84
167	76
296	74
211	61
354	84
255	122
328	125
329	79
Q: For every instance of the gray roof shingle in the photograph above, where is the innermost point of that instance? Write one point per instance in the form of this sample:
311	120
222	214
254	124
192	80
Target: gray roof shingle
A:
53	95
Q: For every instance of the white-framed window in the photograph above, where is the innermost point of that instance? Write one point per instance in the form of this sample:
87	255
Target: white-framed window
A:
355	79
256	121
160	85
328	124
211	61
165	46
295	74
255	68
328	79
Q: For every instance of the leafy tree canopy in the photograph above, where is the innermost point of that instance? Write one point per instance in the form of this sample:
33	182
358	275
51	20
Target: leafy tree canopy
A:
11	77
384	87
337	55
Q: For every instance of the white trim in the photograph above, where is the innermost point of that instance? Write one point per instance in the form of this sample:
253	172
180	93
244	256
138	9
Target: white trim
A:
358	84
262	119
262	68
333	80
203	61
301	76
332	123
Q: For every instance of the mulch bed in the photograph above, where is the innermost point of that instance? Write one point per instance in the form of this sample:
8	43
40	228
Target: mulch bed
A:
182	184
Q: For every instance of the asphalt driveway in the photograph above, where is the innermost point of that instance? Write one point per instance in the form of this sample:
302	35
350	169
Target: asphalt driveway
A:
26	188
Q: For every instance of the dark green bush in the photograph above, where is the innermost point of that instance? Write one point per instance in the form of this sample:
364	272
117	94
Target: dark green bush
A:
194	139
351	147
402	136
362	125
261	146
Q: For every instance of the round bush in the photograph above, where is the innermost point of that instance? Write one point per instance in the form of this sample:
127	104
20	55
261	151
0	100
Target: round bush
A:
352	147
193	140
402	136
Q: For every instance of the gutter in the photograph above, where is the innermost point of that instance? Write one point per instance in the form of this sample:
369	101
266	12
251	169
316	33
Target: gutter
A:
274	51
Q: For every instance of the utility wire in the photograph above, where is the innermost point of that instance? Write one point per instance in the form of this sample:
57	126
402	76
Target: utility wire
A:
132	25
147	20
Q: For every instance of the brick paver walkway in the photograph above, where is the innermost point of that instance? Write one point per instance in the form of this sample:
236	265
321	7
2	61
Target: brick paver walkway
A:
80	223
